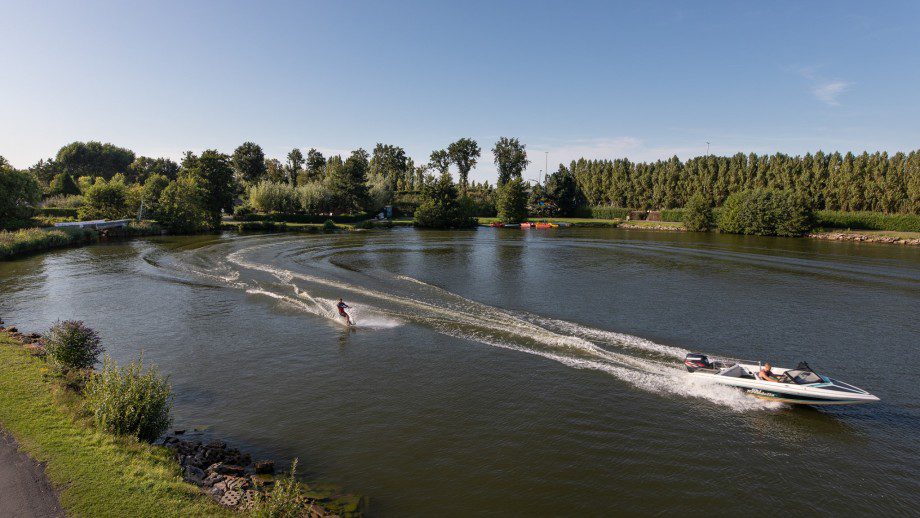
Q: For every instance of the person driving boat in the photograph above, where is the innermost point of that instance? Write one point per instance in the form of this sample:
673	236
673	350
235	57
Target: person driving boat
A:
766	373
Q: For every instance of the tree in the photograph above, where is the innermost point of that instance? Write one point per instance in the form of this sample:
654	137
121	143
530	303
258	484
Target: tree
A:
63	183
145	167
440	160
562	190
511	159
389	162
465	153
249	162
94	159
441	207
182	206
512	201
294	163
215	176
698	214
105	200
539	204
19	192
765	212
274	171
348	183
153	190
316	165
45	170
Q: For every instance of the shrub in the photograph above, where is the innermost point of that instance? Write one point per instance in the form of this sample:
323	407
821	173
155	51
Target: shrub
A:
285	500
868	220
697	215
441	207
329	225
601	212
64	201
105	200
19	192
673	214
72	345
130	400
269	196
765	213
512	201
181	206
63	184
315	198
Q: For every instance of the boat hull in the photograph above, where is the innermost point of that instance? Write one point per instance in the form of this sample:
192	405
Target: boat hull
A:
830	393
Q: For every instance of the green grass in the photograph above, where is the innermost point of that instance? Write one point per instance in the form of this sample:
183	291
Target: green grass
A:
97	474
652	224
30	240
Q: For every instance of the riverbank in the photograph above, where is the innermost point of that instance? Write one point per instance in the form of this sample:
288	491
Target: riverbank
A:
99	474
96	474
36	239
868	236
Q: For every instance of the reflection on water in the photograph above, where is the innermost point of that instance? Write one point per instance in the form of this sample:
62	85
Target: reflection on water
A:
518	372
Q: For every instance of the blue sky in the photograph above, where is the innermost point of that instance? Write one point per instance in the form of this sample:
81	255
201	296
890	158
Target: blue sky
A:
642	80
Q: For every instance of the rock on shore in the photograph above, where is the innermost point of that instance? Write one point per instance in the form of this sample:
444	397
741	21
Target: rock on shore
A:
864	238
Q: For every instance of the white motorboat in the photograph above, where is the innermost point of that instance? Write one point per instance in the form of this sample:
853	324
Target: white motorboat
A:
801	385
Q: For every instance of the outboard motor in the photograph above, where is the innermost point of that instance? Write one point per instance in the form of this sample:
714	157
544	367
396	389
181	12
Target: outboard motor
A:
696	361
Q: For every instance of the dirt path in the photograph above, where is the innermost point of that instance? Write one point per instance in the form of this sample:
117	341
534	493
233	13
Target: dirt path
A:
24	490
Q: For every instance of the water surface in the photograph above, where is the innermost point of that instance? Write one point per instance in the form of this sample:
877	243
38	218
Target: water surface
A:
508	372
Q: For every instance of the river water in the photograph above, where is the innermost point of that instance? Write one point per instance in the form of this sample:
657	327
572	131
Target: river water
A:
528	373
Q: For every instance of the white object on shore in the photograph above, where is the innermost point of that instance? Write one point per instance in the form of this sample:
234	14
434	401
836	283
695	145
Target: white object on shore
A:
97	224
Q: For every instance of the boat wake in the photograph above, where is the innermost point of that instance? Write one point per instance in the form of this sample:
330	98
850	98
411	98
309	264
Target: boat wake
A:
387	301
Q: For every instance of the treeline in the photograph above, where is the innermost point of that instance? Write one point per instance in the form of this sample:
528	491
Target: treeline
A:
876	182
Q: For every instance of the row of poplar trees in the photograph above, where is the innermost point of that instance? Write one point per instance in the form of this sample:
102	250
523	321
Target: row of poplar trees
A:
876	182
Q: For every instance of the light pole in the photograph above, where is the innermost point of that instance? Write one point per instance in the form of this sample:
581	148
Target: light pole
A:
707	148
546	167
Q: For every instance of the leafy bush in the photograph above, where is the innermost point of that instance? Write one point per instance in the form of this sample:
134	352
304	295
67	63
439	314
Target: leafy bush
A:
315	198
441	207
285	500
302	218
512	201
19	192
72	345
673	214
380	193
765	212
105	200
63	184
129	400
601	212
269	196
697	214
181	206
58	212
868	220
329	225
64	201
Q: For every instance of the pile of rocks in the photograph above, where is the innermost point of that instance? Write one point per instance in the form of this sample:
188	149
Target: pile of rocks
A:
31	341
225	473
864	238
228	475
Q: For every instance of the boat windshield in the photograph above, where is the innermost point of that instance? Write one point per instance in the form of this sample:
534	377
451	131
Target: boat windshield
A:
804	377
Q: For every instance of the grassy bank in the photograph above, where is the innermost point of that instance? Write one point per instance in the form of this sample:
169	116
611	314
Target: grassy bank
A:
867	221
32	240
97	474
